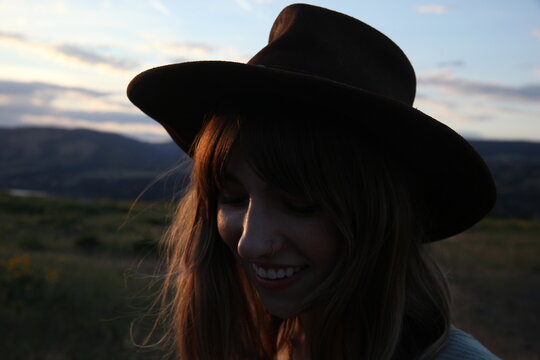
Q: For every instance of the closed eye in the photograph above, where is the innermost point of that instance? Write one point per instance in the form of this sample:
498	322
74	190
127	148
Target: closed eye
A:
233	200
299	206
231	191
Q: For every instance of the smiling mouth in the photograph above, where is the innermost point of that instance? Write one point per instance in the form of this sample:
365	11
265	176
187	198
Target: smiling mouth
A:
277	273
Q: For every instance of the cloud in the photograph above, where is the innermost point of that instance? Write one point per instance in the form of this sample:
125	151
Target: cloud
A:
156	43
93	58
244	4
536	33
13	36
69	52
45	104
187	50
444	109
31	88
492	110
159	6
432	9
108	126
445	81
38	98
474	118
451	64
247	4
180	51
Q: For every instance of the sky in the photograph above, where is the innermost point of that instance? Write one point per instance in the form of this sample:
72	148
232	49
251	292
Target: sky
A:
67	63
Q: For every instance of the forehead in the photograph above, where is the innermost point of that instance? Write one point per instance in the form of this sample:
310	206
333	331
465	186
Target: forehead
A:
239	171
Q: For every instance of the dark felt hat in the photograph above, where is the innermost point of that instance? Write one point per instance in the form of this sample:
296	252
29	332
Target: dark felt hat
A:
315	55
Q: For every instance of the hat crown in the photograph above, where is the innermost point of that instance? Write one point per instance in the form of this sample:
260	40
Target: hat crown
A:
319	42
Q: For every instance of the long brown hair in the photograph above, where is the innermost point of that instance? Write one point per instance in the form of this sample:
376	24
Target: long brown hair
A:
385	299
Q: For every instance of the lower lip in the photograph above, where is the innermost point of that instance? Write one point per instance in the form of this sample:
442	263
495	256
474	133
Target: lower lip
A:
277	284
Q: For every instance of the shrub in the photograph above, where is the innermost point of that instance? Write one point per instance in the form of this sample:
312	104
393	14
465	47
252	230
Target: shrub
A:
145	245
87	243
22	282
30	243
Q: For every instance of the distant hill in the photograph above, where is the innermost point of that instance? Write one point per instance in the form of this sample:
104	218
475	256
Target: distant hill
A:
516	168
85	163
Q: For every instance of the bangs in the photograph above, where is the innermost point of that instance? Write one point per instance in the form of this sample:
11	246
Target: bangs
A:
287	149
211	151
280	153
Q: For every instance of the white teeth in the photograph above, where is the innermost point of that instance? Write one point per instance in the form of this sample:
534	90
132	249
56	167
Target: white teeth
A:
273	274
290	272
261	272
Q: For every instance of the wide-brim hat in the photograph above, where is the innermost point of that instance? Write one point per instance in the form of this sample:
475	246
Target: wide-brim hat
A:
318	56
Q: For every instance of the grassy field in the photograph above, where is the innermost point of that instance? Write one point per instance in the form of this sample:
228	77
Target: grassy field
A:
494	273
75	274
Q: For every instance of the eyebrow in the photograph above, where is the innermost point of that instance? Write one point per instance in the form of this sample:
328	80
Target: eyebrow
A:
227	176
231	178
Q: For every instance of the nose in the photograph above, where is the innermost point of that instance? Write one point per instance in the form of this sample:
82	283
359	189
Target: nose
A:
262	235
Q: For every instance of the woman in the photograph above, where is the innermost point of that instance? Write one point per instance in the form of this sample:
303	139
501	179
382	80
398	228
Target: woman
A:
315	185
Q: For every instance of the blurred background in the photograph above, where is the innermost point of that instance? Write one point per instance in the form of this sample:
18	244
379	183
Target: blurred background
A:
88	182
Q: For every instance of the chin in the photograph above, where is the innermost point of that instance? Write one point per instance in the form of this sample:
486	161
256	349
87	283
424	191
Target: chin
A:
282	309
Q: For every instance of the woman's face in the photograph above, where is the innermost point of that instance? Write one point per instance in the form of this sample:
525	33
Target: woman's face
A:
285	244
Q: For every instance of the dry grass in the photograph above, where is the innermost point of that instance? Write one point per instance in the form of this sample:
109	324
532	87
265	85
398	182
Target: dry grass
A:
76	293
494	272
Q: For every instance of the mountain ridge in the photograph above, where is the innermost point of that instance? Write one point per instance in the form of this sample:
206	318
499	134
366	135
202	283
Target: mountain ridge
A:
93	164
84	163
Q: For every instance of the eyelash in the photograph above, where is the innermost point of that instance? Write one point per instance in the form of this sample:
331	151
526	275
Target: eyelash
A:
288	204
307	208
231	200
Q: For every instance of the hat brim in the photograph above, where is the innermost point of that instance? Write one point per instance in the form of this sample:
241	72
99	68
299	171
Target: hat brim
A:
458	185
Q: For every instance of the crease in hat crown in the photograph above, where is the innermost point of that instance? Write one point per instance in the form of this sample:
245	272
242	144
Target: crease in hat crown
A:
319	42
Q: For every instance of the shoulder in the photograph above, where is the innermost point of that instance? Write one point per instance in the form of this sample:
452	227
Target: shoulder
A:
464	346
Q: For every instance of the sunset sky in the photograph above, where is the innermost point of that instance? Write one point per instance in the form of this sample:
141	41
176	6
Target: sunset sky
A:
67	63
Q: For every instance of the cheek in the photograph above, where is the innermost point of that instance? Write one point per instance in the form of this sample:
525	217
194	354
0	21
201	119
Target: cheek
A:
323	243
229	227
